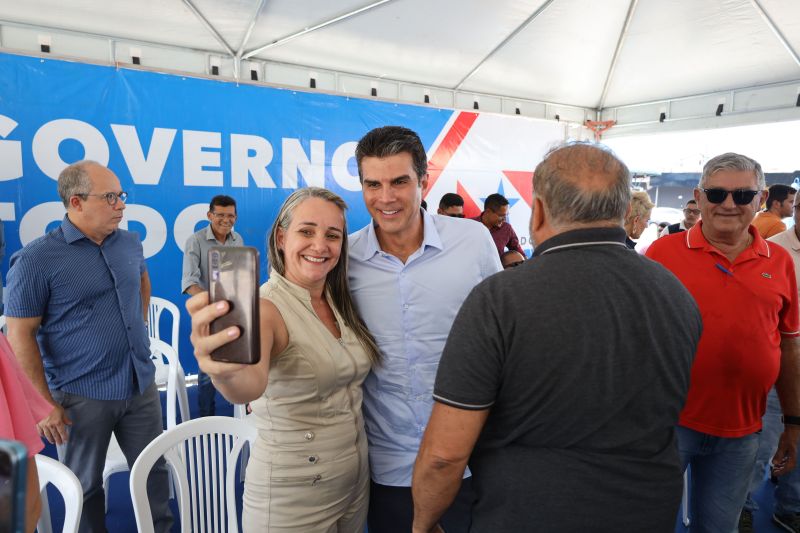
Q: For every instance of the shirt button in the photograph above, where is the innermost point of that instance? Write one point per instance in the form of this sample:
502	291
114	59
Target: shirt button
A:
405	306
313	459
309	435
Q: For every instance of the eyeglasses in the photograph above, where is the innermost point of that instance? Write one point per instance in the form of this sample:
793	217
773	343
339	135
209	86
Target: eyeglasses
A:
740	196
111	197
223	216
457	215
690	211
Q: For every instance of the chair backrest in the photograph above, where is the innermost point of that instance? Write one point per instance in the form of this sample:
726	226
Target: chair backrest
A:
154	310
172	374
61	477
202	455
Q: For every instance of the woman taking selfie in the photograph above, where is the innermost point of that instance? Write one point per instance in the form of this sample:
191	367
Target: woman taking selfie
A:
308	470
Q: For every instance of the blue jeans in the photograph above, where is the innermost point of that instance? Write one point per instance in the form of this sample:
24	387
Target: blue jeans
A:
787	494
206	395
721	472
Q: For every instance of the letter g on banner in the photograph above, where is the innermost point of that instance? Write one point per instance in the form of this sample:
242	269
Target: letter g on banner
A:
10	152
53	133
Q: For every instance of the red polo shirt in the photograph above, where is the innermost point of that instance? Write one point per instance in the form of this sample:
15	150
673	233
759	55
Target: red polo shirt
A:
746	307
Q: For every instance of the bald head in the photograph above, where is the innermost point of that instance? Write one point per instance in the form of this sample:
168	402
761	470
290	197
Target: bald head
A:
583	184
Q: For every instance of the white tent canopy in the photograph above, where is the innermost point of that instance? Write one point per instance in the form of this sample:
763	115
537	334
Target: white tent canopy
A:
577	59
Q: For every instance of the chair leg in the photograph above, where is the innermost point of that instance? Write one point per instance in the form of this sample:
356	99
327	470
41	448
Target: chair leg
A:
45	525
685	499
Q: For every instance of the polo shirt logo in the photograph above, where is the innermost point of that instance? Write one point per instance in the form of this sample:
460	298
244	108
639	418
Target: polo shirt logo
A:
766	275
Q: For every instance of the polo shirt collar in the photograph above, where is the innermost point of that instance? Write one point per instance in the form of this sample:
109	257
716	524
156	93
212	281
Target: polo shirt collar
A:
210	235
696	239
430	236
614	236
73	234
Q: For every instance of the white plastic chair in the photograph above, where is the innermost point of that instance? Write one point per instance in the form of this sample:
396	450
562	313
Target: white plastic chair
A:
61	477
201	455
169	373
240	413
154	310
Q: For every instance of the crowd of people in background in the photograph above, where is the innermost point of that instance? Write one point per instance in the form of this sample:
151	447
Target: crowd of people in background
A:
422	373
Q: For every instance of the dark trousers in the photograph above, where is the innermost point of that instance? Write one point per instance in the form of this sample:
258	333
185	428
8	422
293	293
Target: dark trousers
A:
206	395
391	509
135	422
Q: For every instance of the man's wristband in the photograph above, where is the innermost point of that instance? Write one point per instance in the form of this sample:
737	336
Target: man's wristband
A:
791	420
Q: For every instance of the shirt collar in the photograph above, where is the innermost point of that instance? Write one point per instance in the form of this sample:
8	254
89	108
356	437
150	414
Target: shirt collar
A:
696	239
295	290
430	236
583	237
72	233
210	235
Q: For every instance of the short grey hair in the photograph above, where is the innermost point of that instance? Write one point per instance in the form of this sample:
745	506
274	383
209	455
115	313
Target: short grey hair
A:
74	180
732	161
562	181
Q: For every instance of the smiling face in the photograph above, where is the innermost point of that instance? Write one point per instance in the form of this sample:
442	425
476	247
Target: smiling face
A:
94	216
312	243
727	220
494	218
222	219
393	193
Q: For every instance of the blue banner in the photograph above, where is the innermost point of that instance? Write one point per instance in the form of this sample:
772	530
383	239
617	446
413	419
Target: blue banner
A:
174	142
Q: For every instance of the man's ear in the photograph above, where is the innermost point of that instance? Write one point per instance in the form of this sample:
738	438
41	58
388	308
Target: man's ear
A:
538	216
75	202
423	183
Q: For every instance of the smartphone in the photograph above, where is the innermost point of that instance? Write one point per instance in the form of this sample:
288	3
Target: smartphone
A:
13	474
233	276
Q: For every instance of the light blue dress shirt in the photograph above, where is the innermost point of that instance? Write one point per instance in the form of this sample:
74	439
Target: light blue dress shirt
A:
409	308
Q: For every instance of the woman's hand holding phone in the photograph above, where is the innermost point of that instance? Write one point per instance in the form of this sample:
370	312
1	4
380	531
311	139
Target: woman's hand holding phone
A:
204	342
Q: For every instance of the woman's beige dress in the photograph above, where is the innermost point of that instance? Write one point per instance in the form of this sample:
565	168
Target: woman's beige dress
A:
308	471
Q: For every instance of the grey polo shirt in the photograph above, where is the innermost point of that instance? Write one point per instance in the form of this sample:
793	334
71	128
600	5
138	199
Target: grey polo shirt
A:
195	256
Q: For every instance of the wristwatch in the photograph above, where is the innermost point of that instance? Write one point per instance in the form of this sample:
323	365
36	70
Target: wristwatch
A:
791	420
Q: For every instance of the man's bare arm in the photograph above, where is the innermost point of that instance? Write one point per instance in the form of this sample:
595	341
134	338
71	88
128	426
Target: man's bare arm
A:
22	337
788	388
446	446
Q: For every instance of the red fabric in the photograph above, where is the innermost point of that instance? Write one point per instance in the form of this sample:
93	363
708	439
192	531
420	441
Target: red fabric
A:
746	307
21	406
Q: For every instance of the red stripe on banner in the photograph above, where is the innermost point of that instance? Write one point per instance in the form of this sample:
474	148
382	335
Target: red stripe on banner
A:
452	140
523	182
471	209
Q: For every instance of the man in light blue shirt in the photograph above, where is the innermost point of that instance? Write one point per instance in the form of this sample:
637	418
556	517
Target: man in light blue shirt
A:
409	273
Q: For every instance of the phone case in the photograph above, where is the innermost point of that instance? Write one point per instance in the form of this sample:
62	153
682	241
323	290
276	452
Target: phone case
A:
13	475
233	276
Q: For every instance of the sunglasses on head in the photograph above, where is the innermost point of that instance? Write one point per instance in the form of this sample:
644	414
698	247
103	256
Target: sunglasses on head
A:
740	196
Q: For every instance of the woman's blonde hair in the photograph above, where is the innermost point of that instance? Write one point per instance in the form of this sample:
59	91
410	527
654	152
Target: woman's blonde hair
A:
336	283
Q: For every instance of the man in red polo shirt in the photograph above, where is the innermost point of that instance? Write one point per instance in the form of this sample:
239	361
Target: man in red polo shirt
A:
747	294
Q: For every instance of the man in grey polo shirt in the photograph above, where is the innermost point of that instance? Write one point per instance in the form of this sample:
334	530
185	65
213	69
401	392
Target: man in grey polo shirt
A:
557	382
219	232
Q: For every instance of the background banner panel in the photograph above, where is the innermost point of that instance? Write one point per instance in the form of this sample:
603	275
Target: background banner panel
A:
175	142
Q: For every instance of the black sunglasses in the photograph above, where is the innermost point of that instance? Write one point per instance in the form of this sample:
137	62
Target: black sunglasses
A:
740	196
457	215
